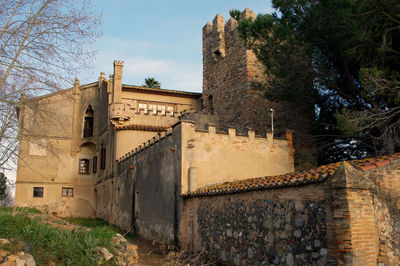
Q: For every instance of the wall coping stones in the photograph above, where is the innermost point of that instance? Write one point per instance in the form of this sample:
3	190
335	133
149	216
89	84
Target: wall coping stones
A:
142	127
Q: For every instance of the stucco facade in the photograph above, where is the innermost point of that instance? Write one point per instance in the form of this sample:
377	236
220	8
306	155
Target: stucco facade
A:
69	140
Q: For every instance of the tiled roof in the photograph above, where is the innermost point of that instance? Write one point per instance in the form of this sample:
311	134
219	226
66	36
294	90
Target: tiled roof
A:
142	127
292	179
160	91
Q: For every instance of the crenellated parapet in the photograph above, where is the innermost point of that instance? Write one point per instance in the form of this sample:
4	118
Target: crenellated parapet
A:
219	37
195	123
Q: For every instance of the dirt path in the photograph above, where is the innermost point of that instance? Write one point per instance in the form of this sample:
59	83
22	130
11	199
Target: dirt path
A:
149	254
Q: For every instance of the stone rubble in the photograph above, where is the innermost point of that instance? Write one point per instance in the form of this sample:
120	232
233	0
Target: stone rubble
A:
265	232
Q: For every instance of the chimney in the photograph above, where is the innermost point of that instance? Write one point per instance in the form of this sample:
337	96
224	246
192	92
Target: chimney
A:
117	84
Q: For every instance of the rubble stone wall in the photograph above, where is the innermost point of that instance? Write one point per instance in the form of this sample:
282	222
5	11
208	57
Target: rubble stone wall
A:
350	218
387	212
282	227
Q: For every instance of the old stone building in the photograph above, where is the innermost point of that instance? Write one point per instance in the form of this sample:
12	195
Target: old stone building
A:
68	164
230	70
204	170
69	140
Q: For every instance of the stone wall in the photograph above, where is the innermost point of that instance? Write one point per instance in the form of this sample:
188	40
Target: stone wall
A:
387	213
267	230
282	227
343	213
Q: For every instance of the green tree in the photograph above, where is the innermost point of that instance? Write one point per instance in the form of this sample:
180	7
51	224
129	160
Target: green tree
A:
235	13
152	83
347	54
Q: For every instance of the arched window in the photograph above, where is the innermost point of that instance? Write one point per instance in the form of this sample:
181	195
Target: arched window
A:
88	123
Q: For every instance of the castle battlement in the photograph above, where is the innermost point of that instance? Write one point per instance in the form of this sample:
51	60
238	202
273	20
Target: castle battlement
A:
201	127
219	36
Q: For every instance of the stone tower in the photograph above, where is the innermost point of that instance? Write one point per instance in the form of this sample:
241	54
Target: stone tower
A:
229	71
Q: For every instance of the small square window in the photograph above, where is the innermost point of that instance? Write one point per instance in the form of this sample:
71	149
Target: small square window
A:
67	192
84	166
38	192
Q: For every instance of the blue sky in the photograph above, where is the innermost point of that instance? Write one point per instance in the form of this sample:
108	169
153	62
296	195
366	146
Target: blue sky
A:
159	38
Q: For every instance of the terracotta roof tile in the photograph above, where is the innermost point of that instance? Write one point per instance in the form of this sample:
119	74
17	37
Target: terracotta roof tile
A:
292	179
160	91
142	127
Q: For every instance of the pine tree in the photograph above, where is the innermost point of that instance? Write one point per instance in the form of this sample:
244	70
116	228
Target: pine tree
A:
346	53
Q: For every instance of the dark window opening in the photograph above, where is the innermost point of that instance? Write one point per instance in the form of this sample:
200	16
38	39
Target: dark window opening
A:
210	104
84	166
94	164
217	53
88	123
67	192
38	192
103	159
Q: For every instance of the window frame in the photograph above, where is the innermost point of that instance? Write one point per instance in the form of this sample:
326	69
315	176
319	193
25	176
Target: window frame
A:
87	166
88	127
37	194
67	190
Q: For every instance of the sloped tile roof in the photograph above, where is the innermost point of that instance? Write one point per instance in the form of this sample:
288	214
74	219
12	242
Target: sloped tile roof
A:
292	179
142	127
160	91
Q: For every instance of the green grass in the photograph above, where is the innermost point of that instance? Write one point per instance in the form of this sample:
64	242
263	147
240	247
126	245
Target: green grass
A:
87	222
50	244
93	223
25	210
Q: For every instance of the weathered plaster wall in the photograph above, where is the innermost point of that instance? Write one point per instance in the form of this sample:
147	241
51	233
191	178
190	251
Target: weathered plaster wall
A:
149	187
211	158
178	102
51	145
127	140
